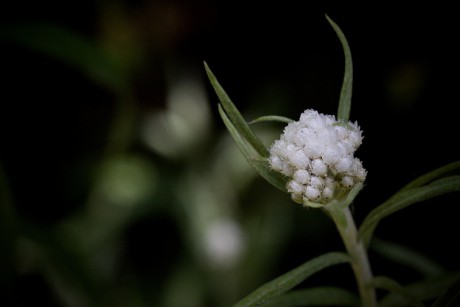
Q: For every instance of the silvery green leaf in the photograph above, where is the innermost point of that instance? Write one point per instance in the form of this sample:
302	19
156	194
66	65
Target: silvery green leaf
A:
273	118
391	285
235	117
318	296
292	278
405	199
405	256
430	176
343	112
259	163
427	289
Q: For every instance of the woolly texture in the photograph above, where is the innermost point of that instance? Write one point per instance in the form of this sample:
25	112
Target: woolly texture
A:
316	153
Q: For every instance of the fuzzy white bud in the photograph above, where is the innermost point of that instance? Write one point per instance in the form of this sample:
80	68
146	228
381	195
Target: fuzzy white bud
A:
302	176
312	193
318	167
316	153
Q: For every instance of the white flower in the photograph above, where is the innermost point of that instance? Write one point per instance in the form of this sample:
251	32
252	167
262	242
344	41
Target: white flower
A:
318	167
302	176
316	153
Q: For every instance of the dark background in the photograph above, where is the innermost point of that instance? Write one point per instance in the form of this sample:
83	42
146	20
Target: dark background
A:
57	122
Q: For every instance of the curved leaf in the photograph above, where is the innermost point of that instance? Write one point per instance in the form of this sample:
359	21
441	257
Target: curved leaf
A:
427	289
451	296
72	49
343	112
319	296
389	284
273	118
435	174
292	278
259	163
404	199
406	256
237	120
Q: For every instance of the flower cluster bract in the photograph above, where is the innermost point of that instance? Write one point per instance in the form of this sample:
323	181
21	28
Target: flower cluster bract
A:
316	153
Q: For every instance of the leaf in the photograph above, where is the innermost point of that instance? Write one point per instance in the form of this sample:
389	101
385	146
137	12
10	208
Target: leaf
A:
427	289
319	296
343	112
259	163
70	48
389	284
292	278
406	256
451	296
405	199
437	173
274	118
351	195
235	116
65	262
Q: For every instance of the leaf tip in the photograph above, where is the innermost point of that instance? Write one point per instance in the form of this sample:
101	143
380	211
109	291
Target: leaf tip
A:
209	73
333	24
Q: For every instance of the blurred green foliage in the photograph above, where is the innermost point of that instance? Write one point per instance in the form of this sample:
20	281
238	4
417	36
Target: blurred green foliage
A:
119	185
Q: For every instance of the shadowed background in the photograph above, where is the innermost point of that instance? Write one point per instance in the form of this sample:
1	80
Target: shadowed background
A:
120	185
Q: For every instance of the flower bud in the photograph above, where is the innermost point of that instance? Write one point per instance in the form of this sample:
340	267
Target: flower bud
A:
316	153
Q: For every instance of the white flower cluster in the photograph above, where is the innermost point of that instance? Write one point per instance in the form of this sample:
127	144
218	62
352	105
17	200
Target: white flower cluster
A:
316	153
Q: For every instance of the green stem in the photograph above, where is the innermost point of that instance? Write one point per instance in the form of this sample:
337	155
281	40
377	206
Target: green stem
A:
345	223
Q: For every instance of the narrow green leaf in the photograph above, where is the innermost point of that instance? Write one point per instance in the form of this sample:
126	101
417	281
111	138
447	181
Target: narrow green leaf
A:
451	296
435	174
427	289
64	259
343	112
352	195
404	199
319	296
406	256
264	170
259	163
292	278
391	285
72	49
235	116
273	118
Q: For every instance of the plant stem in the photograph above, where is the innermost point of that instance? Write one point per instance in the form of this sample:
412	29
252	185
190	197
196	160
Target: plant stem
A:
346	226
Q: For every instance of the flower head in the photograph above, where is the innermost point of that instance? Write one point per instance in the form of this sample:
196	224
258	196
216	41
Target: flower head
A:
316	153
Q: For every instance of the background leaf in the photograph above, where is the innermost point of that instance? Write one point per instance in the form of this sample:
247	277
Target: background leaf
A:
451	296
407	257
292	278
430	176
69	47
389	284
404	199
319	296
424	290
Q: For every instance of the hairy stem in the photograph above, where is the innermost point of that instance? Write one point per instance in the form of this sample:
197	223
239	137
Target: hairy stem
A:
345	223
